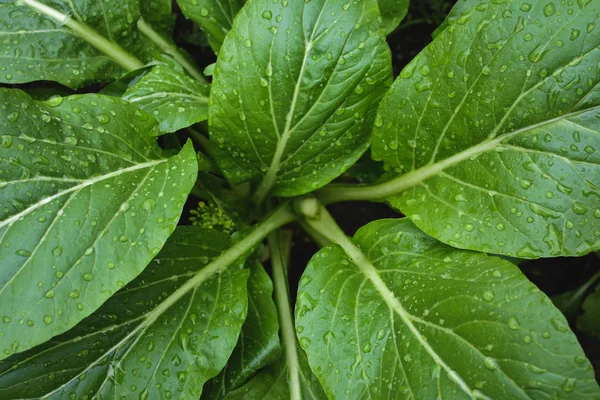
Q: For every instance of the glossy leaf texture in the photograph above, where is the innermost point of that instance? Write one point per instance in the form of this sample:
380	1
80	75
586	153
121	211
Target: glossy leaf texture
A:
215	17
294	91
87	201
589	320
493	131
392	12
462	7
40	47
272	383
258	344
141	343
159	14
174	99
407	317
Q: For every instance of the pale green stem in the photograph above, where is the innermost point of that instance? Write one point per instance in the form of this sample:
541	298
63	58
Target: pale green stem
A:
202	141
319	239
169	49
578	295
279	245
280	217
111	49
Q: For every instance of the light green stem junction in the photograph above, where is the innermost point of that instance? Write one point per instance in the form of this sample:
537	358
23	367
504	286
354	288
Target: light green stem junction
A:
169	49
122	57
279	245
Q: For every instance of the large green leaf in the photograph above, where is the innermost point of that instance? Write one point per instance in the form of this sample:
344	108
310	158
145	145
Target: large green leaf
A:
60	40
154	339
392	12
215	17
87	200
174	99
493	131
258	344
402	316
293	92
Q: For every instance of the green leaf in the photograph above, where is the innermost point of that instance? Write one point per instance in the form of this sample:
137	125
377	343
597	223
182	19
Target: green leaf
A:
154	339
273	383
400	315
392	12
74	42
169	95
299	114
258	344
215	17
87	201
493	129
462	8
589	321
159	14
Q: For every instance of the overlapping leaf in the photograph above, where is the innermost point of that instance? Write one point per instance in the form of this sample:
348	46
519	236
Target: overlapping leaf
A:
402	316
493	131
272	383
171	97
215	17
258	344
392	12
38	45
294	90
589	321
87	201
144	343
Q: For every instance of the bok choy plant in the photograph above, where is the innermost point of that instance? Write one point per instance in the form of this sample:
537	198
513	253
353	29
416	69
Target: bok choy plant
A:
487	145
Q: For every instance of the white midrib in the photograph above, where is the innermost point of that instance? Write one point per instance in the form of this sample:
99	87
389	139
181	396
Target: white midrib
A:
278	218
271	175
413	178
367	268
82	185
163	95
119	55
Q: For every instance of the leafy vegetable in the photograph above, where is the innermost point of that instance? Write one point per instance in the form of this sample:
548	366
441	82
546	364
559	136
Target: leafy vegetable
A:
301	115
215	17
175	320
68	41
258	344
135	219
88	200
392	12
395	310
171	97
494	151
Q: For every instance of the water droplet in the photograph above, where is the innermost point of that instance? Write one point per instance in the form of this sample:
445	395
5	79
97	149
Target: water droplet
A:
47	319
74	294
526	184
49	294
549	9
267	15
87	276
569	385
490	363
513	323
488	295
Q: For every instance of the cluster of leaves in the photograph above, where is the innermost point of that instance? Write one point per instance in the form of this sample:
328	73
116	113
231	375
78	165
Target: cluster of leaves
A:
490	146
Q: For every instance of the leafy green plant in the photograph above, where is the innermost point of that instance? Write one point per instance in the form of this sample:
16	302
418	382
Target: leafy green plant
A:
490	146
